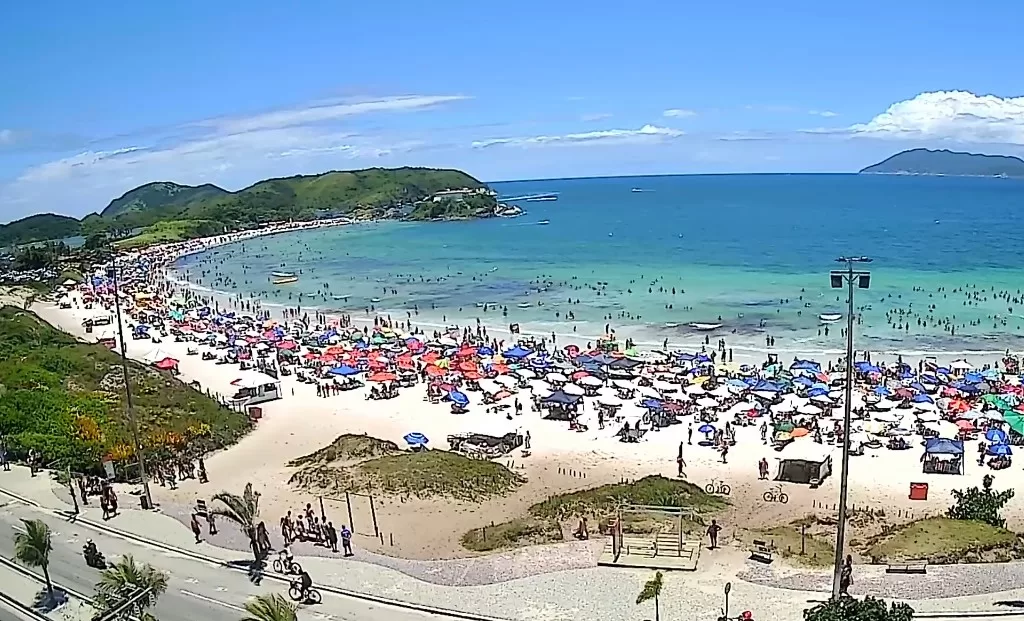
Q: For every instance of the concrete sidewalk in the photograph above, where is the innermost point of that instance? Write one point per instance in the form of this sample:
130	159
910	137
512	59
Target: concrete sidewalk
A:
574	594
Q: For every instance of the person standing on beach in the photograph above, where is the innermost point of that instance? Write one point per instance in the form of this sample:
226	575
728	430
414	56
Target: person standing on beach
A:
210	521
346	540
680	462
713	531
332	537
846	576
689	434
762	468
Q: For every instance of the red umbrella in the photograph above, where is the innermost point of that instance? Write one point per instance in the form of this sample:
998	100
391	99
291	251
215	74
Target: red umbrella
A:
467	366
287	345
965	425
383	376
471	375
466	352
501	369
166	363
572	350
430	356
310	356
405	363
434	371
579	375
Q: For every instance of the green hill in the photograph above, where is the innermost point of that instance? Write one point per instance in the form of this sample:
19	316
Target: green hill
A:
39	227
166	210
66	400
950	163
157	195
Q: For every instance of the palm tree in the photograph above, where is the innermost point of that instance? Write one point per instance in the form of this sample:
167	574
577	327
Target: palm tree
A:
270	608
244	511
33	548
124	580
651	590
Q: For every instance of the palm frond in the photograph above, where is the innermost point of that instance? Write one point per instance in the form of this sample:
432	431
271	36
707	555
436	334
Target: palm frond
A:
651	590
270	608
33	546
243	510
124	579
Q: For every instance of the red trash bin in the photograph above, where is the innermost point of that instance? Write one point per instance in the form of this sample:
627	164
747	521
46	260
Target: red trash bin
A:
919	491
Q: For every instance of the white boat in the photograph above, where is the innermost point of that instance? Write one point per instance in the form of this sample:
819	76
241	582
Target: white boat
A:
544	222
285	280
671	325
375	300
830	317
705	327
282	274
637	190
340	297
524	305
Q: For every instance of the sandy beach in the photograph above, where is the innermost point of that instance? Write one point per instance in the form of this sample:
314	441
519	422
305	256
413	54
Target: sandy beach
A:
301	422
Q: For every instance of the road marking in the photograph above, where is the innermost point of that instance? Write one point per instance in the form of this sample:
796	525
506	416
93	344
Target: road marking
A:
211	600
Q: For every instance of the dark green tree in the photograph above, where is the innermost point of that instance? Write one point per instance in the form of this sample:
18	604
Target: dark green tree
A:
867	609
981	504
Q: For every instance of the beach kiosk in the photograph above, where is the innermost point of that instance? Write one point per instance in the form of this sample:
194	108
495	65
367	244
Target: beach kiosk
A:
805	461
255	387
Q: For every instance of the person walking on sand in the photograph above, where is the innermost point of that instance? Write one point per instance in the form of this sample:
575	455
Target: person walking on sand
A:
713	531
762	469
196	530
846	576
689	434
211	522
346	540
680	462
332	537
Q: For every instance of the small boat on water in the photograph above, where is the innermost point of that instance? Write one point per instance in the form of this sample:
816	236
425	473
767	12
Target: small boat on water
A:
287	280
671	325
375	300
638	190
282	274
830	317
340	297
544	222
705	327
524	305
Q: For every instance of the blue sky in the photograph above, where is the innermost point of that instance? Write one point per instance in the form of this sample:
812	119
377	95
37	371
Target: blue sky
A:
102	97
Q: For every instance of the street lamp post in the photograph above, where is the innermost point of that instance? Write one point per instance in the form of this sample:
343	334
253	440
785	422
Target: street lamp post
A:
147	498
862	279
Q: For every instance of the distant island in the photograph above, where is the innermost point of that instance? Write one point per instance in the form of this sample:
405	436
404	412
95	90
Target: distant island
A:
164	211
948	163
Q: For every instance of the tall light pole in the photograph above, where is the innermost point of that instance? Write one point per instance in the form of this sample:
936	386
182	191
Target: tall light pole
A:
139	453
840	278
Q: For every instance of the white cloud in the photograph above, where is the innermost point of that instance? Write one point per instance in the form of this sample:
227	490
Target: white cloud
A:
952	115
643	134
325	112
232	152
828	114
678	113
599	116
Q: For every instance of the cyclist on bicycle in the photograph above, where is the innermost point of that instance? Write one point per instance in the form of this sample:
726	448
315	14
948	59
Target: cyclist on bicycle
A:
305	583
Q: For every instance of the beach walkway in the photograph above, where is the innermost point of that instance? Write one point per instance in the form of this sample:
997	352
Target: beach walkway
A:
574	593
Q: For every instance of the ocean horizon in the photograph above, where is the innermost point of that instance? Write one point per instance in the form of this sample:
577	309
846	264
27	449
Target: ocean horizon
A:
652	255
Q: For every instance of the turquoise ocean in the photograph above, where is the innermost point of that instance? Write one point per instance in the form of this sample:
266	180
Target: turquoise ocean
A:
653	255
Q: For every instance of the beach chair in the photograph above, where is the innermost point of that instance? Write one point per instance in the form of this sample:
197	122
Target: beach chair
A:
761	551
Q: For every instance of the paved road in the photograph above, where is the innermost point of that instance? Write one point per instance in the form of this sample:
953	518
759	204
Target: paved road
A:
196	591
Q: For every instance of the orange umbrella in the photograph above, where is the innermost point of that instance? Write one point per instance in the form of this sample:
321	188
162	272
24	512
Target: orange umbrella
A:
799	432
430	356
467	366
471	375
499	368
405	363
383	376
434	371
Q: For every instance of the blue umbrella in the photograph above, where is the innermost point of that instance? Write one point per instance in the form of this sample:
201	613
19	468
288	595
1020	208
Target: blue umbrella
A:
416	439
485	351
458	397
651	404
922	398
1000	449
706	428
344	370
883	391
996	436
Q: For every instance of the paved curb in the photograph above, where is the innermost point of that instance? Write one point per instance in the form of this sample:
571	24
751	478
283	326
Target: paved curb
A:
376	599
22	609
38	578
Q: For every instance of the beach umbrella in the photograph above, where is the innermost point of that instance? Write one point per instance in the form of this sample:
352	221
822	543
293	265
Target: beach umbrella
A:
1000	449
995	416
382	376
573	389
960	365
166	363
506	381
706	429
556	378
694	389
996	436
525	373
808	408
898	431
416	439
458	397
589	380
707	402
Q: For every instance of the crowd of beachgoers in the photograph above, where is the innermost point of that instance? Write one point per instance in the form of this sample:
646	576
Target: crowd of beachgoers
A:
603	405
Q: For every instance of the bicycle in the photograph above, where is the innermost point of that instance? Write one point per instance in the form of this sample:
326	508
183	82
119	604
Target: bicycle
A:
312	596
776	494
287	566
718	487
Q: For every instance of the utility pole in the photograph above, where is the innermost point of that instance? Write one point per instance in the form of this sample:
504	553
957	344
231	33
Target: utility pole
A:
848	278
130	409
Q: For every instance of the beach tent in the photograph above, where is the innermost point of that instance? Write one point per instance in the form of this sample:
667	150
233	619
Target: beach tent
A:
943	456
804	461
516	353
560	397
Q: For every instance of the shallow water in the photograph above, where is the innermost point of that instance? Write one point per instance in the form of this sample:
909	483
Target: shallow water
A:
751	252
